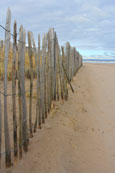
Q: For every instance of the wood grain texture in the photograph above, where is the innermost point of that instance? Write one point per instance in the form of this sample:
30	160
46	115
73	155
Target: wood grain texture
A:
14	91
6	128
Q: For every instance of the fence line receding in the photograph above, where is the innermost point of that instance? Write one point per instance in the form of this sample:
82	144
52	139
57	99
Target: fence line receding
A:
31	77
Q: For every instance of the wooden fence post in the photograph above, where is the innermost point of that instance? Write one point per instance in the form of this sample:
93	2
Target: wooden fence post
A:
31	81
22	84
6	128
61	74
19	96
43	79
39	75
0	127
53	63
37	82
57	67
67	67
14	91
54	56
64	61
76	61
49	73
65	90
45	75
24	109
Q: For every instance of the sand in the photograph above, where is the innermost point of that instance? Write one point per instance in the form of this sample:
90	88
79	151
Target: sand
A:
79	135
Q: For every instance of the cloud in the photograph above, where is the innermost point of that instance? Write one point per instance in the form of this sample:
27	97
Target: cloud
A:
77	19
88	25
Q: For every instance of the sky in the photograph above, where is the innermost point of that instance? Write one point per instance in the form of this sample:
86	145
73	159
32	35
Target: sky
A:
89	25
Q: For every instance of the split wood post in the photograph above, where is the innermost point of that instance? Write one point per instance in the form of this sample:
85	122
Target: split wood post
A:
45	76
49	73
81	60
24	109
60	68
22	84
43	79
65	65
57	66
37	82
53	66
77	62
68	58
0	49
72	63
6	128
61	73
19	95
0	115
63	76
54	77
0	127
48	79
14	91
31	81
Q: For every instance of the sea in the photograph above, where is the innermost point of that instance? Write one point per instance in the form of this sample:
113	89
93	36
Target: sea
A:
99	60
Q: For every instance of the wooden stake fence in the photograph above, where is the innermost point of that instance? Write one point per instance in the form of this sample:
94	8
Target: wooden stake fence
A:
54	67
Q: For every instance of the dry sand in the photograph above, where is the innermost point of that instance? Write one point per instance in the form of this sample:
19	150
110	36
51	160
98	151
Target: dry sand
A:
79	135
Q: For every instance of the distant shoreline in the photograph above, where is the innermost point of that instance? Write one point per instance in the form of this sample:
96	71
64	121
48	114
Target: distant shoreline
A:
106	61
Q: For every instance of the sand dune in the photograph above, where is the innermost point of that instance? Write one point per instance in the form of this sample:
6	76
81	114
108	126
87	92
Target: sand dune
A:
79	135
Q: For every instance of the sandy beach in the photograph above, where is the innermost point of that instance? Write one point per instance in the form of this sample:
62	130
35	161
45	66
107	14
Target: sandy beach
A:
79	134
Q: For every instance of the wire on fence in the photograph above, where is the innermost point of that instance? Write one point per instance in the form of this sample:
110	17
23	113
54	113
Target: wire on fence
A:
16	35
12	34
17	94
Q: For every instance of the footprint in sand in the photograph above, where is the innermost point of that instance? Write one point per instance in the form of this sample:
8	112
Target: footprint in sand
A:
83	110
93	129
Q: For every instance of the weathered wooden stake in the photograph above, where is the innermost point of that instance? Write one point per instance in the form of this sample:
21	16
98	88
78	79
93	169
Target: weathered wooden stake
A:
0	128
19	95
57	67
37	82
45	75
22	84
31	81
6	128
14	91
63	76
68	78
43	79
49	72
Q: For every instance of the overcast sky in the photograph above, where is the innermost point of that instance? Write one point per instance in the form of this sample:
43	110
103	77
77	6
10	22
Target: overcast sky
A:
87	24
